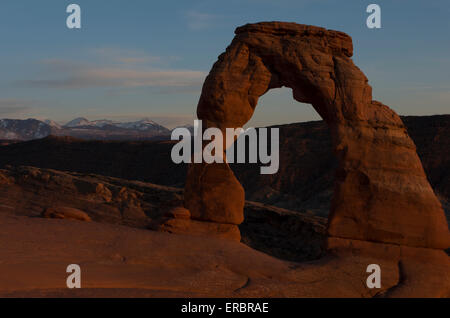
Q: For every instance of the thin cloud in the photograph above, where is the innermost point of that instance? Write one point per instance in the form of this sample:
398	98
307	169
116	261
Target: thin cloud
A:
174	120
70	75
126	56
137	60
14	107
198	20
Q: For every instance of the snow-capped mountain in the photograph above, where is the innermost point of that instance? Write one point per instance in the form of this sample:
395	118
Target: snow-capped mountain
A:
83	122
78	122
52	123
16	129
144	124
102	123
81	127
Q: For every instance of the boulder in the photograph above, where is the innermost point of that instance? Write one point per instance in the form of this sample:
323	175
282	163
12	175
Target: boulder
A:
66	213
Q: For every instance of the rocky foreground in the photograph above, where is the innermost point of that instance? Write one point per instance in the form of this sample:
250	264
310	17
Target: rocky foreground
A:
34	192
120	257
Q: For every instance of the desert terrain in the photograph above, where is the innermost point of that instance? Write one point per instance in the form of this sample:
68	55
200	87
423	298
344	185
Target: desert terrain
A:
363	187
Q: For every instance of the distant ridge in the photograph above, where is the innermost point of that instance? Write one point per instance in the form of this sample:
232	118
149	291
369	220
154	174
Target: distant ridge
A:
81	127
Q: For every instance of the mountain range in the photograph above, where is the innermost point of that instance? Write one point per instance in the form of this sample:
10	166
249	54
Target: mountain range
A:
29	129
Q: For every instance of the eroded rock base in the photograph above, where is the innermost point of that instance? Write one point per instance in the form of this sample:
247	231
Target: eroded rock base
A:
178	220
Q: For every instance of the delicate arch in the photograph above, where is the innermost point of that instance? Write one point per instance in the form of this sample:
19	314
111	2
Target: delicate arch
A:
381	191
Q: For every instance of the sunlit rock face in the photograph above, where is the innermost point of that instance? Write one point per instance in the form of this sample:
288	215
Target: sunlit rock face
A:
381	192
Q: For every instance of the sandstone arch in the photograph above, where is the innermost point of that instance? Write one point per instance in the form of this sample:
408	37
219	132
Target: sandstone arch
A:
381	191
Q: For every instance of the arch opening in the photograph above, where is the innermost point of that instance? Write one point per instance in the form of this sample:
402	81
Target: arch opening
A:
305	157
278	107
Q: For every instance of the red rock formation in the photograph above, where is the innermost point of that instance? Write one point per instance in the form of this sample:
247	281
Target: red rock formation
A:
381	191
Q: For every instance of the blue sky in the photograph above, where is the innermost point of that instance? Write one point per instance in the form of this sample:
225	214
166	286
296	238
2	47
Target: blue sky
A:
145	58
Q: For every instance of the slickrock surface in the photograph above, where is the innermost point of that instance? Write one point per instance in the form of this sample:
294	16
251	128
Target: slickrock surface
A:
381	192
120	261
